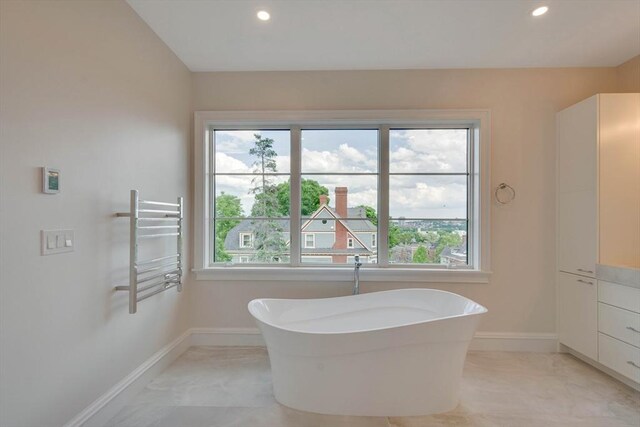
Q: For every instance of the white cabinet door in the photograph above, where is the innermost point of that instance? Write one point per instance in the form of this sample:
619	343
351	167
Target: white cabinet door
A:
619	179
576	233
577	133
578	313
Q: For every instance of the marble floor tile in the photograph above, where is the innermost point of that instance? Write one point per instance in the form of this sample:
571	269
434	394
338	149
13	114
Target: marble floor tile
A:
275	416
231	387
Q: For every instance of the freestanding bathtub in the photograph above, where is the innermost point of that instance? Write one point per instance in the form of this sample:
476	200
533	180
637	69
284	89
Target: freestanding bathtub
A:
391	353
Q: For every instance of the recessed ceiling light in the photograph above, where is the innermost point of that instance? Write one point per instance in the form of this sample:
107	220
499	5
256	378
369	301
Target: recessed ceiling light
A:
263	15
540	11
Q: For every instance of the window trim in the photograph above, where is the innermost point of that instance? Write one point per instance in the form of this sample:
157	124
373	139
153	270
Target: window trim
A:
242	236
479	119
313	240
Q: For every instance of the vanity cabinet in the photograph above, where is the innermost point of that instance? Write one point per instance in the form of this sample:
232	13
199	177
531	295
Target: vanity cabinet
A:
619	328
598	224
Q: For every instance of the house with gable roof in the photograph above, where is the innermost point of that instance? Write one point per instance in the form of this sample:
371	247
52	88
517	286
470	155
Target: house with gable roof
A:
331	235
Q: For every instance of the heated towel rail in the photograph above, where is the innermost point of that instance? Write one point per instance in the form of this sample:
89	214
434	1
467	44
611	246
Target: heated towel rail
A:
151	220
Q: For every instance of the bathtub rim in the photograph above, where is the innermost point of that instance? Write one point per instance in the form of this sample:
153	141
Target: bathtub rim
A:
252	303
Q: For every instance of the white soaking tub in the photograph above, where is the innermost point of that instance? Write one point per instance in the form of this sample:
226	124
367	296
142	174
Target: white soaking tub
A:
391	353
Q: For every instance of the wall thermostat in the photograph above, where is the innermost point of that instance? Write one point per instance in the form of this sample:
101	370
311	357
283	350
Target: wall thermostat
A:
50	180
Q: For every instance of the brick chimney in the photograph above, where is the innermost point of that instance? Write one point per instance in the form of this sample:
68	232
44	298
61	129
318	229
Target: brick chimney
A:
324	199
341	231
341	201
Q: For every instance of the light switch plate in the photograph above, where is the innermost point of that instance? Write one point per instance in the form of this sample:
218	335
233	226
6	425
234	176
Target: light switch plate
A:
57	241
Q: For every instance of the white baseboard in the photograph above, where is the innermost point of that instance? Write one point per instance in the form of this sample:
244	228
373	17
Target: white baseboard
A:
627	381
250	337
107	405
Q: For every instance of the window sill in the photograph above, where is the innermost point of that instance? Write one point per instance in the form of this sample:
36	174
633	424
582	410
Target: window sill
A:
314	274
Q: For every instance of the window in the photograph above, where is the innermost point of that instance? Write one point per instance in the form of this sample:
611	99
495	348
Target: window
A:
250	183
317	189
428	195
309	240
246	241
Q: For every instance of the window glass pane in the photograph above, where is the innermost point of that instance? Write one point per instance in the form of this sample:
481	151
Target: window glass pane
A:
351	196
428	242
257	195
428	150
251	180
338	241
339	150
252	241
420	196
309	240
233	151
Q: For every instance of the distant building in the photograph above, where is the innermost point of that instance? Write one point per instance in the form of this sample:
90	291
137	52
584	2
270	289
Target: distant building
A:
331	235
456	255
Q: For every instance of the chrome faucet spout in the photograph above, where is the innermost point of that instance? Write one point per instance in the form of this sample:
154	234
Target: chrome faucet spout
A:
356	275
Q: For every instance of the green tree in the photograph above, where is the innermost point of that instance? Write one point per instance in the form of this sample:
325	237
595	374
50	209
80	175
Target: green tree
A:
446	238
401	235
310	195
370	213
420	255
268	234
227	206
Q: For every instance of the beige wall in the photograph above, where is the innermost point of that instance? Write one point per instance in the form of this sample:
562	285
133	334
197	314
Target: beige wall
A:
629	75
87	87
523	103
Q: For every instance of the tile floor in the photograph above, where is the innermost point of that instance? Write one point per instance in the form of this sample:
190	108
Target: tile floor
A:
231	387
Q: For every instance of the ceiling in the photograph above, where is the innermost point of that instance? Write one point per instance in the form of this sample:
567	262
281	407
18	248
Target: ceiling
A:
225	35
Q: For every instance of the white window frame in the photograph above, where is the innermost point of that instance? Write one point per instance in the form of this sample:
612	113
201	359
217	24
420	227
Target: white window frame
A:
479	121
374	240
242	236
350	244
313	240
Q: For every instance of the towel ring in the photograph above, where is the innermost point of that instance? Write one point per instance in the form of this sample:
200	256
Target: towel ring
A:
504	186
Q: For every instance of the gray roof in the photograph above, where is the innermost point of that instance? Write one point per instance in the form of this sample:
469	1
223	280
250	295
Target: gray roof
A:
456	252
232	241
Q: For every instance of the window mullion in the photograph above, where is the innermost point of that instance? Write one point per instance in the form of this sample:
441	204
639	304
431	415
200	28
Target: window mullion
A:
383	196
211	196
294	205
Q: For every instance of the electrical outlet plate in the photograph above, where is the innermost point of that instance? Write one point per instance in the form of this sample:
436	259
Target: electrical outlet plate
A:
57	241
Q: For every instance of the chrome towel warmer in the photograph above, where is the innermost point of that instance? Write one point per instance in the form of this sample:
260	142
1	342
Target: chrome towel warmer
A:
158	274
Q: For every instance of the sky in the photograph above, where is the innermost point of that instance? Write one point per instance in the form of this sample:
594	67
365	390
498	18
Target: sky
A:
342	152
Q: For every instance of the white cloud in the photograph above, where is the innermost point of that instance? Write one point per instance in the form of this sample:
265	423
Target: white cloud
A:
229	164
234	141
343	159
415	197
429	150
435	150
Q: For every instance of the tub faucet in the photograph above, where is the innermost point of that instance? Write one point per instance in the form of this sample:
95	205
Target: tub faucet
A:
356	275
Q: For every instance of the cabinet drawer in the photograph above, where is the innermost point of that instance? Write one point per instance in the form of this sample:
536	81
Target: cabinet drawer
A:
619	295
621	324
622	358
